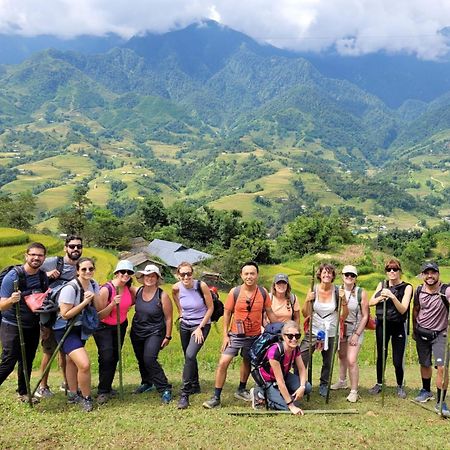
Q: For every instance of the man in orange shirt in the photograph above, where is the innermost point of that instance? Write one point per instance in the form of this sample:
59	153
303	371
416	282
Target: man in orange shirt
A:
245	304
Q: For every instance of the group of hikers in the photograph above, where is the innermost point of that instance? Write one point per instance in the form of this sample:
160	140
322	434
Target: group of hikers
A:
254	320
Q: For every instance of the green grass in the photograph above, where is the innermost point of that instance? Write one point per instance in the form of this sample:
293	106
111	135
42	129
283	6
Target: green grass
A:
11	236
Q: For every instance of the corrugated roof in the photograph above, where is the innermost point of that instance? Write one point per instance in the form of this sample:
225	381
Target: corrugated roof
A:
173	253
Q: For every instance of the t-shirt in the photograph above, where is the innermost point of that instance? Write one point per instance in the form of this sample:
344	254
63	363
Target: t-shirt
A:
433	314
252	320
68	272
286	361
283	309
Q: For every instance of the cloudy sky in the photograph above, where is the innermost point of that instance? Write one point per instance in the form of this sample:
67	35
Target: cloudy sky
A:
353	26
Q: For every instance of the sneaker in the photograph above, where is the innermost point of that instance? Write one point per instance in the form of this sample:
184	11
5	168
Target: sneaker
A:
103	398
401	393
87	404
341	384
183	403
243	394
375	390
424	396
73	398
44	392
144	387
257	401
213	402
445	411
353	397
24	398
166	397
323	390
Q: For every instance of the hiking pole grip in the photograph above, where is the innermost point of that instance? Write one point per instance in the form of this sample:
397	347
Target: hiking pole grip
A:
383	366
335	346
310	352
119	344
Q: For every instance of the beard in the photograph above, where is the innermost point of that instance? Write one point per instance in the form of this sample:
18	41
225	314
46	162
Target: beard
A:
74	256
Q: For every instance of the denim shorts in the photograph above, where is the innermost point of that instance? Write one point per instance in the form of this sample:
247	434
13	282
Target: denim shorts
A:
72	342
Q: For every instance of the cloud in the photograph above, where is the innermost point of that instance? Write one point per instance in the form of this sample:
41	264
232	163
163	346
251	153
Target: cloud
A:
353	27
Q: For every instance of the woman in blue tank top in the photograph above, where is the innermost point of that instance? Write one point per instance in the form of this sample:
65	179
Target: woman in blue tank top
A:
195	306
151	329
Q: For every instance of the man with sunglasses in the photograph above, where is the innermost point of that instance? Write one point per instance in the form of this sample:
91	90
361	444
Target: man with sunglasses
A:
430	325
19	282
245	304
60	270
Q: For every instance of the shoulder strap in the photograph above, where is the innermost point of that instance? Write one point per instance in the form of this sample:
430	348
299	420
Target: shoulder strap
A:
43	280
108	285
263	293
60	264
236	292
443	296
359	296
416	294
336	297
198	288
21	277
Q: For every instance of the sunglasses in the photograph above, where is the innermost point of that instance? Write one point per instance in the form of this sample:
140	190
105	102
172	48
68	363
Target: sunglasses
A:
249	306
392	269
87	269
126	272
185	274
291	336
350	275
75	246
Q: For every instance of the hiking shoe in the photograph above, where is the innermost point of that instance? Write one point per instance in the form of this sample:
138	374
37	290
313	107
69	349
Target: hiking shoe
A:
341	384
213	402
73	398
44	392
87	404
375	390
103	398
243	394
24	398
183	403
166	397
424	396
445	411
401	393
144	387
353	396
323	390
257	401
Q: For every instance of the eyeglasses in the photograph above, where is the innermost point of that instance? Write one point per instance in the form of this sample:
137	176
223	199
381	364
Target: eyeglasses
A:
75	246
87	269
350	275
291	336
126	272
185	274
36	255
392	269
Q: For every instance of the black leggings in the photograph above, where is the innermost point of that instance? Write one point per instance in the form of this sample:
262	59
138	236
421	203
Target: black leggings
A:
397	332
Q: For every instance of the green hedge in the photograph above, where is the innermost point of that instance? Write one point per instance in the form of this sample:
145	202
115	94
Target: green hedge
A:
11	236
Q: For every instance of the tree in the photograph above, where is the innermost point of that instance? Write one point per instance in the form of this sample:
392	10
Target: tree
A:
153	212
74	219
17	211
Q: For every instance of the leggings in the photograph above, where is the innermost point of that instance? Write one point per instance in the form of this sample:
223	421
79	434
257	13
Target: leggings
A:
397	332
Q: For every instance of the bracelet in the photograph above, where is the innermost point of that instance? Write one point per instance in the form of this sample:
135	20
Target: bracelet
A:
169	338
290	403
358	334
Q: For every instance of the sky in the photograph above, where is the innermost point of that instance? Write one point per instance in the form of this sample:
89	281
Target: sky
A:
353	27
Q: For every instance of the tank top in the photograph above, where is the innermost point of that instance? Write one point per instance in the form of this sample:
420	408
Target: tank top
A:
124	306
392	314
325	316
193	308
149	318
354	311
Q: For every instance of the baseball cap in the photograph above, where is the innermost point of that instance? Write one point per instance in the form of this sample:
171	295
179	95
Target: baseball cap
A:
430	265
281	277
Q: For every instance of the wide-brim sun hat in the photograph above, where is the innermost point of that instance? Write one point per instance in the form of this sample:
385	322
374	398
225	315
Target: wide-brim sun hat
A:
350	269
124	265
149	269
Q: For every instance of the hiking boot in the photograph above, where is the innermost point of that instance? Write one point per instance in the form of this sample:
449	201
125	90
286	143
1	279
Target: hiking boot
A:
353	396
341	384
375	390
144	387
183	403
73	398
103	398
166	397
401	393
87	404
113	393
213	402
257	401
445	411
243	394
424	396
44	392
24	398
323	390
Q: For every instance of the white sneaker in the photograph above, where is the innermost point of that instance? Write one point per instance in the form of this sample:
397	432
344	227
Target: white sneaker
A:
341	384
353	397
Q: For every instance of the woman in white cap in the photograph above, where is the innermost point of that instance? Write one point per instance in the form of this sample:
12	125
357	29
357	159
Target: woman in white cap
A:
355	323
195	306
114	294
284	303
151	329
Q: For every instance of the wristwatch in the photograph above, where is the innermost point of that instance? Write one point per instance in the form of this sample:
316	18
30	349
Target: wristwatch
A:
169	338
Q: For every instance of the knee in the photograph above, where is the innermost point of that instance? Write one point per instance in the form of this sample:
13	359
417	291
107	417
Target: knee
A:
223	365
84	366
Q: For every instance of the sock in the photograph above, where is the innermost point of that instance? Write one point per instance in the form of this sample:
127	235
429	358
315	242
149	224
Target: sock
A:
426	384
242	385
217	392
438	395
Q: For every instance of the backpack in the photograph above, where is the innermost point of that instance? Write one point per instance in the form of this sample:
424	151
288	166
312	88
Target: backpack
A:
217	304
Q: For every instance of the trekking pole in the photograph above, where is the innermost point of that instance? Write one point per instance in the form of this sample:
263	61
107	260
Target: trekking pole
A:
383	366
119	346
335	347
54	354
445	375
310	352
22	347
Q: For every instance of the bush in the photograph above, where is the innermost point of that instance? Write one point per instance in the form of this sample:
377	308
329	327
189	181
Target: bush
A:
11	236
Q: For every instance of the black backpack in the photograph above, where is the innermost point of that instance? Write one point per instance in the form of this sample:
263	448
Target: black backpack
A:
217	304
